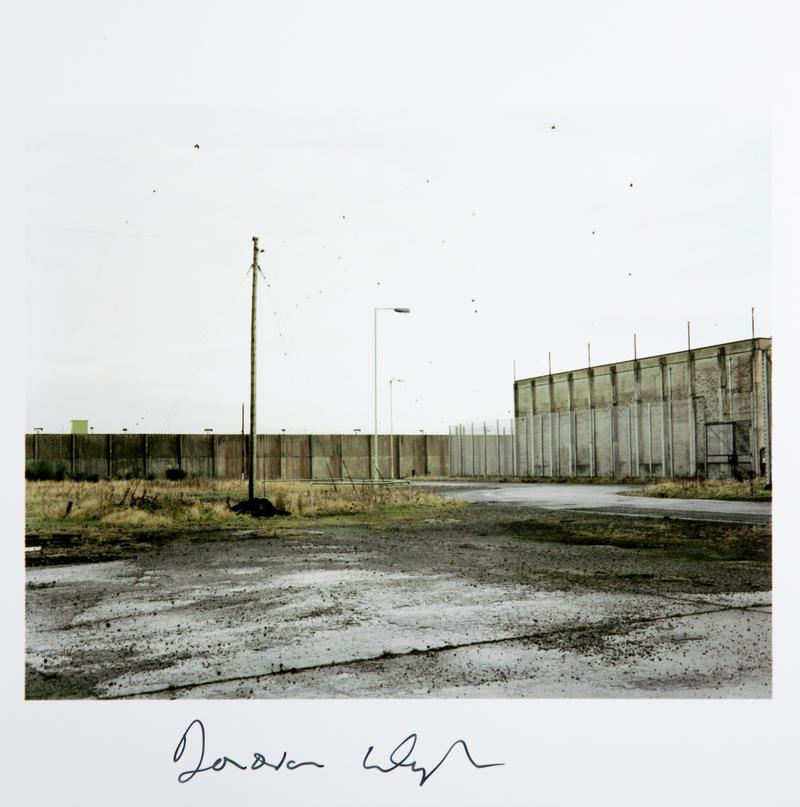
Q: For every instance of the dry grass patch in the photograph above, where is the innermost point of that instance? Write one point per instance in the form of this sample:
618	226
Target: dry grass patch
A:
204	504
135	518
729	489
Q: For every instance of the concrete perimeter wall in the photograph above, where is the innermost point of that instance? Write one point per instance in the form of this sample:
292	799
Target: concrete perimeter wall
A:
224	456
701	412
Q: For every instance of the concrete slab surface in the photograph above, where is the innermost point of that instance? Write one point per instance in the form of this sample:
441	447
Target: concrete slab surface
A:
441	609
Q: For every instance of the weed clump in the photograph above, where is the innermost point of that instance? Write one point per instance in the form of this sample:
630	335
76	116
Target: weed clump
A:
44	471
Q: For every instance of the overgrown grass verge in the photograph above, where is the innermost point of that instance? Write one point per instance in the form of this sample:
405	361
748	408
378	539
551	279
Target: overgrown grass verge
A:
725	489
102	520
675	538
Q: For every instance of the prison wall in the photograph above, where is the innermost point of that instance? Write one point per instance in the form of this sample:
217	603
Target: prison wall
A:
225	456
705	411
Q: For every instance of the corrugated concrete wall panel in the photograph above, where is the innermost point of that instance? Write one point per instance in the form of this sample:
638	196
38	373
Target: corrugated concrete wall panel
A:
269	460
197	457
54	447
356	454
295	456
412	460
326	456
126	456
231	456
583	441
438	446
209	455
91	453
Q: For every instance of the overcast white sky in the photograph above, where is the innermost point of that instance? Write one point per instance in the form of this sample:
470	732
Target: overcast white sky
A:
507	238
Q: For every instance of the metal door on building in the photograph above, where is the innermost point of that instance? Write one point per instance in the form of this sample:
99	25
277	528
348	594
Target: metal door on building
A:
728	450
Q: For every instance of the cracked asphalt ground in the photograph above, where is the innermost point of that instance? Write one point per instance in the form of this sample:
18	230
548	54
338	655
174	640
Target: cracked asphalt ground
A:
481	601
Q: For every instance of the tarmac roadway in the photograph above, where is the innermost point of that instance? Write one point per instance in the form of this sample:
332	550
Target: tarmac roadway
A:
610	499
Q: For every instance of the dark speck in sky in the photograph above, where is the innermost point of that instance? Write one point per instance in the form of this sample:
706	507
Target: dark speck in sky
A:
630	185
197	145
552	126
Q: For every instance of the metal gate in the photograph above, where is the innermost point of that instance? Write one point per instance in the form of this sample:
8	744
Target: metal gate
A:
728	450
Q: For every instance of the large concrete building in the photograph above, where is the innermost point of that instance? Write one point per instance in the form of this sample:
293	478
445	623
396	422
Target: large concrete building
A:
704	411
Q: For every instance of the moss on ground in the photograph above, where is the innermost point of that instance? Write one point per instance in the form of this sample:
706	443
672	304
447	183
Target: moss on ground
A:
56	686
675	538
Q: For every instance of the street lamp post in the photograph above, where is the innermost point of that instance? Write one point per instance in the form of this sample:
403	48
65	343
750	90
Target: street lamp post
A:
375	337
391	424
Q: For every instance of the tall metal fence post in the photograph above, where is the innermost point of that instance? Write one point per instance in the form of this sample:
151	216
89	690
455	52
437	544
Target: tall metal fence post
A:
485	454
527	453
558	442
450	449
514	448
472	449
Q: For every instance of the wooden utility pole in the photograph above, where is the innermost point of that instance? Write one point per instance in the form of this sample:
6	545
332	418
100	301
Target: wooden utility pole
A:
251	488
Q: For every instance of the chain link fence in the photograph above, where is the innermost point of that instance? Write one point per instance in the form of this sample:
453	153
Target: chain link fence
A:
483	448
